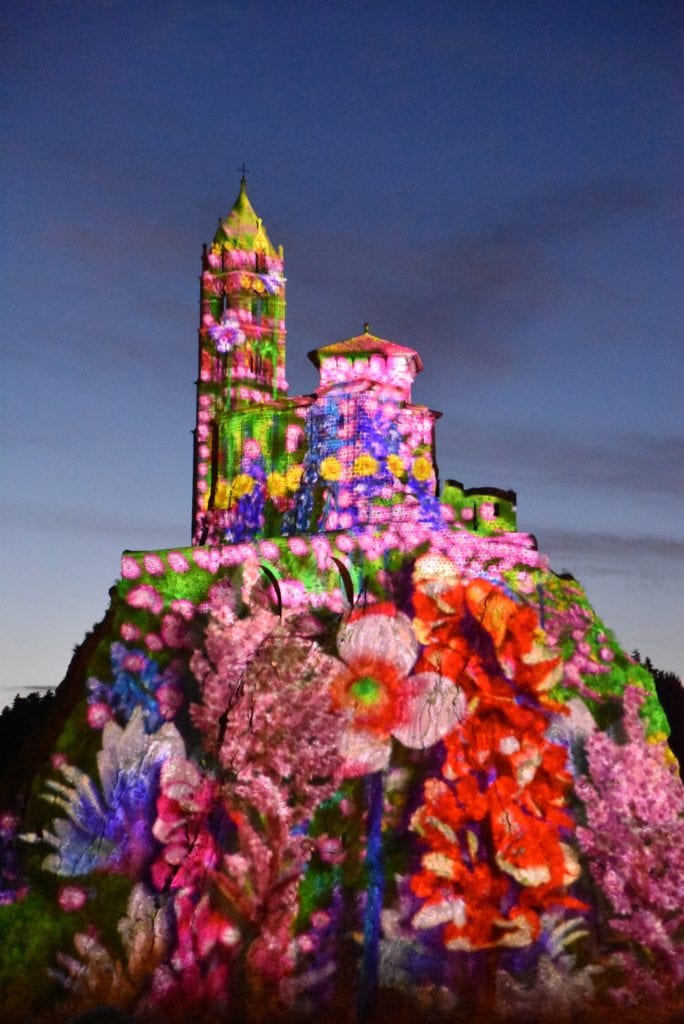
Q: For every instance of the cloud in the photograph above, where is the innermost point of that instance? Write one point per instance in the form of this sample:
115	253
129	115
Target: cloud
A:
507	268
18	516
634	463
545	47
566	212
106	255
477	288
612	548
638	562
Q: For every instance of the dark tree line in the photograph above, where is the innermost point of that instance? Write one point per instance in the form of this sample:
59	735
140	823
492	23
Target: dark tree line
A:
21	728
30	728
671	695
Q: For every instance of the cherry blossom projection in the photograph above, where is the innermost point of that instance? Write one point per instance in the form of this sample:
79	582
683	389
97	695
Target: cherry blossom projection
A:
356	753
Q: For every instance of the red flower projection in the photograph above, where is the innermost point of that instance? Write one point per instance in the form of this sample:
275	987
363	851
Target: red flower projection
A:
493	822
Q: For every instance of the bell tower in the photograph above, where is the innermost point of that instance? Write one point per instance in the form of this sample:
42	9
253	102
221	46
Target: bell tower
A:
241	338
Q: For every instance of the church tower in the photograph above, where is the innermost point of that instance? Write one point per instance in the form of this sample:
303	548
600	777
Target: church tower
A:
356	453
241	340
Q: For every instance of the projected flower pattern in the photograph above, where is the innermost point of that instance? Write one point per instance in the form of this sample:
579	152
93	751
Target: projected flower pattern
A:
243	827
360	457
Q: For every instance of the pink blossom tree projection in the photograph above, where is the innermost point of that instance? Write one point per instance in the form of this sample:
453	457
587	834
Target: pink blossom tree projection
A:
355	754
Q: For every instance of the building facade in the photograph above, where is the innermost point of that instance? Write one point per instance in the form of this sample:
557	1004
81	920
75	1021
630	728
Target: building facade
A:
356	753
356	452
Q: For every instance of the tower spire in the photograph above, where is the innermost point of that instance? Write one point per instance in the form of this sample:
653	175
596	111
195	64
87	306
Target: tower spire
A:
241	347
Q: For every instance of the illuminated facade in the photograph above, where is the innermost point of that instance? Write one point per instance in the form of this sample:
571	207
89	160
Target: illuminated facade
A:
357	753
241	347
356	452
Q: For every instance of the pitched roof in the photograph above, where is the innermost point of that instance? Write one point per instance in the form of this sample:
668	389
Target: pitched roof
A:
363	345
242	228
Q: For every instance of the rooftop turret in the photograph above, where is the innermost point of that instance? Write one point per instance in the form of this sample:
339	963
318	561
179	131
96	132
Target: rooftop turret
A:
242	229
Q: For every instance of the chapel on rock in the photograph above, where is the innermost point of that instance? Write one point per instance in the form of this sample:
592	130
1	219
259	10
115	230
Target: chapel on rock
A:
356	452
356	752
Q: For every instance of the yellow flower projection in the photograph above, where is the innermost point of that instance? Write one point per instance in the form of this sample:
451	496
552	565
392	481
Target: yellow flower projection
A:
395	464
422	468
276	485
331	468
242	485
293	477
365	465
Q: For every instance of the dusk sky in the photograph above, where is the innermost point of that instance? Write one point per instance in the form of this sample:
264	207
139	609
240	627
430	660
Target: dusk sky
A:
490	183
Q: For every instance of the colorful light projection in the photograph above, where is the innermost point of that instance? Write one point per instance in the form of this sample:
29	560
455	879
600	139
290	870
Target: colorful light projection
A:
241	338
369	758
329	806
362	452
356	452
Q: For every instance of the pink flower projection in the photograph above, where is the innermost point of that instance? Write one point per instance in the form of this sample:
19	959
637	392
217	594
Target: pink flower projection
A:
379	649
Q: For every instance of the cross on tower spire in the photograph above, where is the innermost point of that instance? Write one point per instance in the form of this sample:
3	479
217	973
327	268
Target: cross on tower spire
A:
244	171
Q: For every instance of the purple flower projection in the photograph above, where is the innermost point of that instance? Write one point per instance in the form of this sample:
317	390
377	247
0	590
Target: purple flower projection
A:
110	828
138	683
227	333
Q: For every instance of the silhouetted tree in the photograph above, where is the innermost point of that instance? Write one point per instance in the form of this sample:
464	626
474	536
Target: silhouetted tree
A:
20	725
671	695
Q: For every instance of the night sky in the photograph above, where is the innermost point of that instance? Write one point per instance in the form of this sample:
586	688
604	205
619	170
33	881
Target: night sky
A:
490	183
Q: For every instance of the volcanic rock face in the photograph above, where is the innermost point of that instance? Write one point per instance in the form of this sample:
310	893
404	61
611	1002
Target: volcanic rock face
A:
268	801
